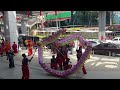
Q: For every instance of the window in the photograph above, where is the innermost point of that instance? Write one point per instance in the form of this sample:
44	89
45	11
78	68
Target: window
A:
112	46
105	45
100	45
115	39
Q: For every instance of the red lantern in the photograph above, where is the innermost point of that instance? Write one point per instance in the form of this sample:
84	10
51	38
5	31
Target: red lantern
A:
55	12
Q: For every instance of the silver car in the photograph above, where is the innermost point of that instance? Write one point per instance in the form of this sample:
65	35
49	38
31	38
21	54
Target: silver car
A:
94	43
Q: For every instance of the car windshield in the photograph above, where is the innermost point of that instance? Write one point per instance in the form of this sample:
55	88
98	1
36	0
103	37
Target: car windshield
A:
93	42
115	39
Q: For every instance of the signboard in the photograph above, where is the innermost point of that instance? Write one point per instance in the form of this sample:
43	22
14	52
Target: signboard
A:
61	15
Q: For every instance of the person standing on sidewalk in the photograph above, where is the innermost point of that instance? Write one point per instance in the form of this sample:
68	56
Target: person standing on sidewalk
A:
25	67
11	58
14	47
7	47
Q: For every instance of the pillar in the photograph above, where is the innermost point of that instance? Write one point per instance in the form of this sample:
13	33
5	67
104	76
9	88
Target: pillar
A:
10	26
111	17
102	25
23	27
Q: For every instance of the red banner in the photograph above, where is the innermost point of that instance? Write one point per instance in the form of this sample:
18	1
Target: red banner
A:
55	12
28	13
40	13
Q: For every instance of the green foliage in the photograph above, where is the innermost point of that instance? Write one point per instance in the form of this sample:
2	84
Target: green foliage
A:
86	18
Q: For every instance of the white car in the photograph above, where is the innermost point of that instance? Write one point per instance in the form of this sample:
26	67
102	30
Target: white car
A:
116	40
94	43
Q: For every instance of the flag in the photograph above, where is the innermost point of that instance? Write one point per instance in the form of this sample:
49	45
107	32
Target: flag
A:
40	13
28	13
55	12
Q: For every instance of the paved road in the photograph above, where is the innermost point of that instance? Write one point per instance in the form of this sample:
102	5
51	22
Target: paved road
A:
98	67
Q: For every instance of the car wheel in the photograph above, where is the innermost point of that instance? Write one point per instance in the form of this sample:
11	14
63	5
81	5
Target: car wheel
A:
113	54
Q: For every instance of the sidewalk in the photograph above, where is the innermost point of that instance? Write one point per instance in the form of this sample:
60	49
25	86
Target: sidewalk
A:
16	73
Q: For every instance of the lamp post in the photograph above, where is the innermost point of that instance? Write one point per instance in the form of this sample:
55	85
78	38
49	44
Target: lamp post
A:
56	20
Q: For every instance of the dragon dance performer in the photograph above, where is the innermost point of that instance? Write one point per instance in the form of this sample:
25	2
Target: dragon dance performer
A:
30	47
14	47
2	47
79	54
7	48
25	68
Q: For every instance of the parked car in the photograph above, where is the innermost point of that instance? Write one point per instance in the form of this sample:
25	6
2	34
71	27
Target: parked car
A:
94	43
106	49
116	40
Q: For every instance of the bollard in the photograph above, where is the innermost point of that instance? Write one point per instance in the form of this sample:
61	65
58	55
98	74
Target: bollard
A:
109	53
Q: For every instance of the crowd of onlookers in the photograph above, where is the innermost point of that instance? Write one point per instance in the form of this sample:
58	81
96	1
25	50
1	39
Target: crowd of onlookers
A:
8	50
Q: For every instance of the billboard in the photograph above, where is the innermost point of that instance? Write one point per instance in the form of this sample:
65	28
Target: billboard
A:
61	15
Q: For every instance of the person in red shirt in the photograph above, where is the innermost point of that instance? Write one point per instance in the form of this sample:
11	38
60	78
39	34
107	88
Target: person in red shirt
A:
14	47
30	47
25	67
1	51
67	65
7	48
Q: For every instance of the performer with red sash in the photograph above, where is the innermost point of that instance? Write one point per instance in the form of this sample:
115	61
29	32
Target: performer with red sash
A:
14	47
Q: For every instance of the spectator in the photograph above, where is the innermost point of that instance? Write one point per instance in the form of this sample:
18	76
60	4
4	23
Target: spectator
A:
14	47
11	59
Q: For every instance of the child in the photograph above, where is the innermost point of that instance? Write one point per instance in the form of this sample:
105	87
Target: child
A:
25	68
11	58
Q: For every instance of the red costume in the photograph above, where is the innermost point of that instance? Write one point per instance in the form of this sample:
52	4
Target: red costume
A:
25	72
30	45
54	63
14	47
1	51
67	67
7	46
60	61
66	64
84	70
79	54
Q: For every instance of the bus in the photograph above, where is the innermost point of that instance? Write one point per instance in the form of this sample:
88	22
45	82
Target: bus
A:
24	37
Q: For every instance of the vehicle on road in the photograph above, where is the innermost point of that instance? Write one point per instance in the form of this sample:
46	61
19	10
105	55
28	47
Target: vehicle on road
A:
106	49
94	43
116	40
